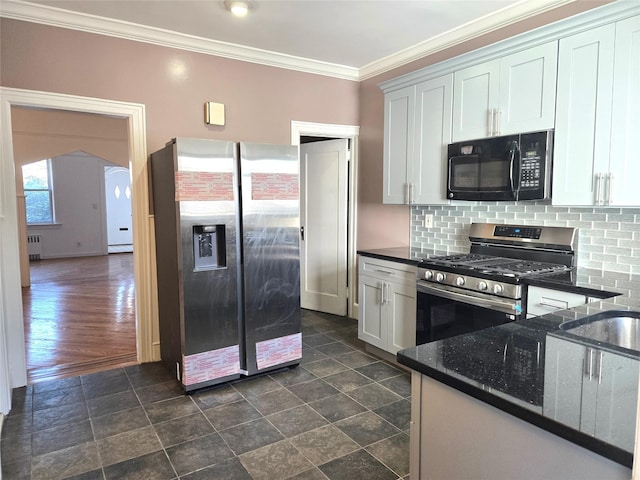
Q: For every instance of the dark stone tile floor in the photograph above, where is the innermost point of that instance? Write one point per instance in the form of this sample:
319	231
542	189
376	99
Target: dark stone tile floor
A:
341	414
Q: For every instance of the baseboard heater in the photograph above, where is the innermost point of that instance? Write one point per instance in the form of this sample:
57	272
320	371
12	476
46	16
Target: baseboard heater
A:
34	247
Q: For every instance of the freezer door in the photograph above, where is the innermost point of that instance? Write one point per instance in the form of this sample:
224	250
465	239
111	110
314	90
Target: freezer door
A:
207	196
270	181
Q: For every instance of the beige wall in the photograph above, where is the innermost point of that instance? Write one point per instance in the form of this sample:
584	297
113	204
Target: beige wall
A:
39	134
173	84
260	101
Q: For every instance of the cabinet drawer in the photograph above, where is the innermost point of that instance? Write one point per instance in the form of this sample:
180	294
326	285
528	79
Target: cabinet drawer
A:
388	270
544	300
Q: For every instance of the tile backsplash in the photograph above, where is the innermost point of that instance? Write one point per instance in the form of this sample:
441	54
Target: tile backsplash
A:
608	239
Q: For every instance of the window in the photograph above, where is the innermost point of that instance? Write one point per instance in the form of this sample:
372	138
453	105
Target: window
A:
38	192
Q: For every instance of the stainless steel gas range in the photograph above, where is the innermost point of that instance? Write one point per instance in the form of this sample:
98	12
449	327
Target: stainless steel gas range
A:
467	292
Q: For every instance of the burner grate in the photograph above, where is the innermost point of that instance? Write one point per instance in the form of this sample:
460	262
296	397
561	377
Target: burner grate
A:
499	266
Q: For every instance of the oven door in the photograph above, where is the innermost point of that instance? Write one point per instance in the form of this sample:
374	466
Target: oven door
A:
444	312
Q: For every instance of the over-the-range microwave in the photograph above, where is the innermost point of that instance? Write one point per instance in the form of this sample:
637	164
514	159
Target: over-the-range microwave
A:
510	167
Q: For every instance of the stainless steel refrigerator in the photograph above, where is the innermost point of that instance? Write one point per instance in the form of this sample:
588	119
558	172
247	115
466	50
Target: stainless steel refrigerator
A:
227	251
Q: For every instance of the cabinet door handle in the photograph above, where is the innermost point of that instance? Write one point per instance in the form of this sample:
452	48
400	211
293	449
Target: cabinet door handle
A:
598	188
600	368
490	114
609	187
589	364
496	118
553	303
384	271
410	193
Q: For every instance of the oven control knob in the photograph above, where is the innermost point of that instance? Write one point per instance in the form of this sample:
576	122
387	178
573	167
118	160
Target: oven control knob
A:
428	275
497	289
482	285
460	281
440	277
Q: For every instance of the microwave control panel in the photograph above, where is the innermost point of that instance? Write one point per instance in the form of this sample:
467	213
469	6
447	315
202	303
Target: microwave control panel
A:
531	169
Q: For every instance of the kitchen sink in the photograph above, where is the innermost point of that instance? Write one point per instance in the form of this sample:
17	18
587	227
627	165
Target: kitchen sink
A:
619	328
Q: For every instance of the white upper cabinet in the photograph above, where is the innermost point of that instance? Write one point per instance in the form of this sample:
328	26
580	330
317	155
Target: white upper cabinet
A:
432	135
624	161
417	130
512	94
399	120
580	76
476	93
598	117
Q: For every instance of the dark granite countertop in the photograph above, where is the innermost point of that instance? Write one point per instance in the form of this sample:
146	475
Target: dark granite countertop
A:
393	254
477	364
498	366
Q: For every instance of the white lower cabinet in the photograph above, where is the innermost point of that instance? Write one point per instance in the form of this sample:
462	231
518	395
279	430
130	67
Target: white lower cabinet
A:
387	304
541	301
592	390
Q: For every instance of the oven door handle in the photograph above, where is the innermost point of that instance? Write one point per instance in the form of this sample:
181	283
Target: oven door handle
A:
491	303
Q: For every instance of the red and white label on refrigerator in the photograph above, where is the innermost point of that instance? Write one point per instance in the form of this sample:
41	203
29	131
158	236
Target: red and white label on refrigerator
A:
275	186
205	366
204	186
278	350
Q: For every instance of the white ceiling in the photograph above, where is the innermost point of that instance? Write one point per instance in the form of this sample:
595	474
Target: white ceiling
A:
344	38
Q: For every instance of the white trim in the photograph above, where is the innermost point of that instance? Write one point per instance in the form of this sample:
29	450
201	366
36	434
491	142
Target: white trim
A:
340	131
588	20
83	22
321	130
13	372
47	15
470	30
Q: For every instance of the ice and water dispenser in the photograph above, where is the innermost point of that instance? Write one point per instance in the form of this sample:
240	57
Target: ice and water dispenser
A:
209	247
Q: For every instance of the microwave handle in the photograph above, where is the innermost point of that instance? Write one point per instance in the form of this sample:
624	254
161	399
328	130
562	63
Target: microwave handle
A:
512	165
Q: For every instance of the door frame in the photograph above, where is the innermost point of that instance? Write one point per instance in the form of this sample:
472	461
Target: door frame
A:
310	129
13	372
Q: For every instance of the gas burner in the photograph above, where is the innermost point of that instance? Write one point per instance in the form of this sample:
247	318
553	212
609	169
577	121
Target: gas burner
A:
500	256
491	265
464	259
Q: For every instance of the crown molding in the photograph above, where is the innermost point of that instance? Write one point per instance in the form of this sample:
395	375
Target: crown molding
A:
46	15
470	30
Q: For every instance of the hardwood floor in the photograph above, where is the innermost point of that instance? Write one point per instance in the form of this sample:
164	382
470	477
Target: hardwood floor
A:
79	316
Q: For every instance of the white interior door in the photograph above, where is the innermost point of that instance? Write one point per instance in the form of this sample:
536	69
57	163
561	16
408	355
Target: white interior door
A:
117	181
323	216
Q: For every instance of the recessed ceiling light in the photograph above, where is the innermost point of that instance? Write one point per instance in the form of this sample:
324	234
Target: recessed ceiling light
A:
238	8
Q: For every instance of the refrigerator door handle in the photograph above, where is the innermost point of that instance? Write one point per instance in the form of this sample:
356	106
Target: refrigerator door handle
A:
302	233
